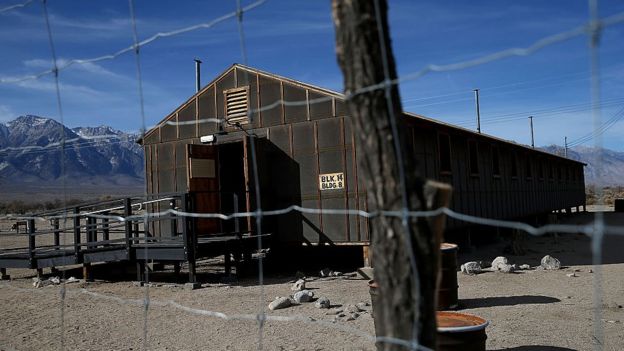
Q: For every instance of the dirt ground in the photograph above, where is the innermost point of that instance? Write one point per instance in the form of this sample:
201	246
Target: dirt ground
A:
531	310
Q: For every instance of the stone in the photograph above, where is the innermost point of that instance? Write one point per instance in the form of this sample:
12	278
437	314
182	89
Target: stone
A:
363	306
571	275
525	267
55	280
352	316
498	262
322	302
471	268
279	303
550	263
303	296
326	272
506	268
352	309
298	285
336	274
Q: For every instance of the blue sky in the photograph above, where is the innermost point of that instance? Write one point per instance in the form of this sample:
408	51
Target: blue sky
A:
296	39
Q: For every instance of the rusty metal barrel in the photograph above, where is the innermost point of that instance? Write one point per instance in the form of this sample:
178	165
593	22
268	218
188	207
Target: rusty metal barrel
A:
460	331
373	289
447	291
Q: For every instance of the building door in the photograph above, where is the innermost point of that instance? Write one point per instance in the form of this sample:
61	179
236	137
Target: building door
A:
203	185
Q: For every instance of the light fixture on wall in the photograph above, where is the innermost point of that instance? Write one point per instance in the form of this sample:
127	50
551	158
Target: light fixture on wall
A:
207	139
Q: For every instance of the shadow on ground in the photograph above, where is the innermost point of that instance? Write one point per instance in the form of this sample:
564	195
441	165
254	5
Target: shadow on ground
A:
506	301
278	267
536	348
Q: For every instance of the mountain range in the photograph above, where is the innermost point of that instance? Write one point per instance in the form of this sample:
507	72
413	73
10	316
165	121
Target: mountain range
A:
30	155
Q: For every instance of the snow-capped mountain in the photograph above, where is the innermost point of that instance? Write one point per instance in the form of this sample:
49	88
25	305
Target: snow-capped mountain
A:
31	152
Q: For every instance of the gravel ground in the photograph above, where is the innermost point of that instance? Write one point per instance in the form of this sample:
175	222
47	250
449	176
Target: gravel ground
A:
532	310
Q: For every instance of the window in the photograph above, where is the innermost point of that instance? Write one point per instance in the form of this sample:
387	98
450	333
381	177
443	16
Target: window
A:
444	147
528	172
236	105
495	162
514	165
474	157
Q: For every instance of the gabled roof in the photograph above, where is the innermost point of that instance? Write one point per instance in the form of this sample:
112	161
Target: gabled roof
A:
341	96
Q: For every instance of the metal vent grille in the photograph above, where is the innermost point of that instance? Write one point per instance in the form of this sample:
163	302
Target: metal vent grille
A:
236	105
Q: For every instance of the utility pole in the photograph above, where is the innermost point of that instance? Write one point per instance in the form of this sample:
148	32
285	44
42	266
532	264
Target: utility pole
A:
197	75
565	143
476	91
532	136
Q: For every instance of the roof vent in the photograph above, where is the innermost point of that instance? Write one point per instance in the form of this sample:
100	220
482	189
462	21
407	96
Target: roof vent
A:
236	105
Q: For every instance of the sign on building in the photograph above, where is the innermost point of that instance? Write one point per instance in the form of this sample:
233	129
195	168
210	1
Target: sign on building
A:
331	181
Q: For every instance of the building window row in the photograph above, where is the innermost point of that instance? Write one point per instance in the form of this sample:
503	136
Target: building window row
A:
544	168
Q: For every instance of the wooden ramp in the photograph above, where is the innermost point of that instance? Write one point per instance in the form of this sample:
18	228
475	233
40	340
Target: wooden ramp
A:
114	231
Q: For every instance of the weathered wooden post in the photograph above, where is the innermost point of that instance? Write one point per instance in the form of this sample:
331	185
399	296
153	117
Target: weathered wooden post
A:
32	245
407	309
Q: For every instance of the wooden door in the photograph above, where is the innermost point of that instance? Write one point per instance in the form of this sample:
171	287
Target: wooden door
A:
203	185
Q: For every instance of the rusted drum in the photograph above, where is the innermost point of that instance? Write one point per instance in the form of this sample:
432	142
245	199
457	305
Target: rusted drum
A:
373	289
447	293
460	332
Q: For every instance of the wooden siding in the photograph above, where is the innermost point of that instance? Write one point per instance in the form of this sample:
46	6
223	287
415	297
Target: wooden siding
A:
299	142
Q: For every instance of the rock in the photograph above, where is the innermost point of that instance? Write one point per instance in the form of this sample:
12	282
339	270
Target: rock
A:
336	274
550	263
322	302
525	267
591	271
279	303
352	316
72	280
303	296
55	280
471	268
326	272
298	285
571	275
498	262
506	268
352	309
363	306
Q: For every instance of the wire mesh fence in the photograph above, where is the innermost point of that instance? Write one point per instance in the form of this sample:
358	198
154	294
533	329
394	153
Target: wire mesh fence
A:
136	216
